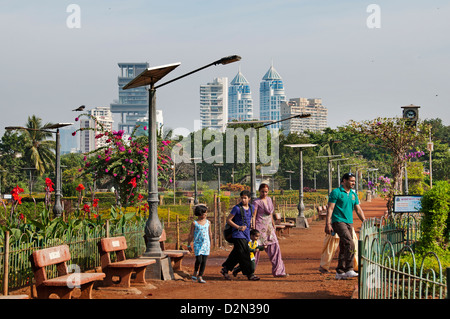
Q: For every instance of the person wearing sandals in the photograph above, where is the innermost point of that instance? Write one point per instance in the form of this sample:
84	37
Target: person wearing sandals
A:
262	220
240	219
201	234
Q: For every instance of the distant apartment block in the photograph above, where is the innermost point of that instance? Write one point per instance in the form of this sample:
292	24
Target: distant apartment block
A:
295	106
88	142
214	104
240	102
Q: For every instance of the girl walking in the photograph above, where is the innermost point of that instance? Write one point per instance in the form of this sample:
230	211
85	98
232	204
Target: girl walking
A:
201	235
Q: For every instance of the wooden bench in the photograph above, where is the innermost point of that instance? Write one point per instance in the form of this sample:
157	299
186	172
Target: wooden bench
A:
176	256
281	226
122	267
322	211
66	282
14	297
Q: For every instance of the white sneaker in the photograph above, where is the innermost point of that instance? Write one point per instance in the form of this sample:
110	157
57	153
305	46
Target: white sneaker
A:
351	274
340	276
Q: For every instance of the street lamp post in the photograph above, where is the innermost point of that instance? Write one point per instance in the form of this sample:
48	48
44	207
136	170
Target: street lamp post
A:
338	169
301	221
195	180
315	172
153	227
252	154
430	149
57	208
328	157
290	181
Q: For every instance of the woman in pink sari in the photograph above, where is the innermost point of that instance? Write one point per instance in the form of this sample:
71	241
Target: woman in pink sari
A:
262	220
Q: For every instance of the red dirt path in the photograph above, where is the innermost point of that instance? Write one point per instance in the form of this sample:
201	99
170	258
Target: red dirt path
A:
301	251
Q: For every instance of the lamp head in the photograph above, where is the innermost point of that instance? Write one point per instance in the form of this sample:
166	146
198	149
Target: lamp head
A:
228	59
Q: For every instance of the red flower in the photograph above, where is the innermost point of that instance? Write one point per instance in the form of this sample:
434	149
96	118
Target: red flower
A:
80	187
86	208
140	197
74	133
95	202
21	216
49	184
15	193
133	182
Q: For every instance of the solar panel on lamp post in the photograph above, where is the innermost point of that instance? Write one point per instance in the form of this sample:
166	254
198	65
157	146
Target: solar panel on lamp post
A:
149	77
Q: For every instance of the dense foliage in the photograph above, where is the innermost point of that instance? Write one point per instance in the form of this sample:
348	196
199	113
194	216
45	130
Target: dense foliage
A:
436	221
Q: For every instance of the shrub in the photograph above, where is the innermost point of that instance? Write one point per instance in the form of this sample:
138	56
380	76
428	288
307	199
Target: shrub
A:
435	223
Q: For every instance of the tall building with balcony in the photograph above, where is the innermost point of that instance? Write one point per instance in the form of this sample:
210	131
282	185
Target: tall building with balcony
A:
132	103
105	122
214	104
316	122
271	95
240	102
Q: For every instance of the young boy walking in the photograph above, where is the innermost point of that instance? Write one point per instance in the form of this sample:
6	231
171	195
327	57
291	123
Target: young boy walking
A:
240	219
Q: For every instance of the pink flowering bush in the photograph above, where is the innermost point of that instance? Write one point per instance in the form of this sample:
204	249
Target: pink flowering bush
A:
125	160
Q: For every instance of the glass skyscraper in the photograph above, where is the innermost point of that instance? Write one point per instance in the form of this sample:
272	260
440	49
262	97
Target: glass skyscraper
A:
271	94
240	102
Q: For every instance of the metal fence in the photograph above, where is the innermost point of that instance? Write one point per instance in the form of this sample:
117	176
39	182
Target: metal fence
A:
389	268
15	268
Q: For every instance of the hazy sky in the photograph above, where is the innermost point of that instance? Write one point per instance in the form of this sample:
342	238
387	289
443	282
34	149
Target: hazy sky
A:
321	48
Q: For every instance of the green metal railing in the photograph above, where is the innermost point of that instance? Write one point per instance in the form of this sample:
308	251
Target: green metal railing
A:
389	269
82	245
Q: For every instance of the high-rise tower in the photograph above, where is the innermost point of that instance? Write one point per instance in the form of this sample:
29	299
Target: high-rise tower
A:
271	94
132	103
214	104
240	102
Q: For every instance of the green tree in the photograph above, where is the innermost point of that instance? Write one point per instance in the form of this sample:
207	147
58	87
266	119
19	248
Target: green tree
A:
39	149
11	160
396	137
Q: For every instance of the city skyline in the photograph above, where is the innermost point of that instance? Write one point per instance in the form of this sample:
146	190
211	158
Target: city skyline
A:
333	50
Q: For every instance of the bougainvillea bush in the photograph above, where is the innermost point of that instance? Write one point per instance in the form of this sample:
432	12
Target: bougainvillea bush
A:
124	160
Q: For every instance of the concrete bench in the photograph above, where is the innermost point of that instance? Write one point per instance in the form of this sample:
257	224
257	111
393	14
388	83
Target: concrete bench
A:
122	267
176	256
64	284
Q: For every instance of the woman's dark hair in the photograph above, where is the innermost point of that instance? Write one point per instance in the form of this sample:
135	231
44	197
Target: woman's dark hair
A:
200	210
263	185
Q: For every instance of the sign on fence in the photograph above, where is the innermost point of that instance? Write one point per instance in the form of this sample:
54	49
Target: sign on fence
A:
407	203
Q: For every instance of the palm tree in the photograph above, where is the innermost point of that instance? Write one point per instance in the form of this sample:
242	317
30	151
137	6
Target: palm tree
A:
39	150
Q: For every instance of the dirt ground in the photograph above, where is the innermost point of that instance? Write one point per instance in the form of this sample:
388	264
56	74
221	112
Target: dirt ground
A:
301	250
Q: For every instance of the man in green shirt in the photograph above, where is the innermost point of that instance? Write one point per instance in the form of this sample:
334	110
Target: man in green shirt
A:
341	204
